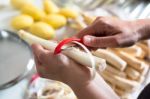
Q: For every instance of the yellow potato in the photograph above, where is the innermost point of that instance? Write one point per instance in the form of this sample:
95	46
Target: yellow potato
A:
68	13
22	22
50	7
43	30
55	20
33	11
19	3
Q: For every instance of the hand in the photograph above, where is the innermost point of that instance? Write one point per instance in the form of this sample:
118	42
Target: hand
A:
109	32
60	67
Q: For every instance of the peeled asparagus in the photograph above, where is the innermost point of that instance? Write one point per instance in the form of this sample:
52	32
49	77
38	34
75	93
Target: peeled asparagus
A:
80	24
132	73
135	51
140	79
144	71
145	48
123	83
111	58
114	71
120	92
132	61
77	55
88	19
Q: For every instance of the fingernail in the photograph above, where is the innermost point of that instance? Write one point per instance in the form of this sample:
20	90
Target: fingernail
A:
86	40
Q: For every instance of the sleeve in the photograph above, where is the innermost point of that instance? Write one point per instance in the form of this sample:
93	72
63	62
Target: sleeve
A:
145	94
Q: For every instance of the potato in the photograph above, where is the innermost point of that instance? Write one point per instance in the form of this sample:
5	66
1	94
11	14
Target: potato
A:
50	7
19	3
68	13
33	11
22	21
55	20
43	30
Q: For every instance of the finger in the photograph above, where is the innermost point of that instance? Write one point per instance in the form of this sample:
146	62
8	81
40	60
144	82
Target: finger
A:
37	63
97	18
40	53
37	48
86	31
92	41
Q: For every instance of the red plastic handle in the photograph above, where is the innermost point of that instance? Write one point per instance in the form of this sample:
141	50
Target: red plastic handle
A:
63	42
34	77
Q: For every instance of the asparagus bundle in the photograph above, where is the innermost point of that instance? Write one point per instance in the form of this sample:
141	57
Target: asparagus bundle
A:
127	80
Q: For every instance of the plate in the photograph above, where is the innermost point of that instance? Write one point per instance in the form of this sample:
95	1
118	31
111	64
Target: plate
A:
15	59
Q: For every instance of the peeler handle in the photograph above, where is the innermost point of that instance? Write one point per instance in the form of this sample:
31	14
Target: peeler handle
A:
65	41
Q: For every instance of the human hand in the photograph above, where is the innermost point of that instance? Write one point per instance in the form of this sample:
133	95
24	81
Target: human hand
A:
60	67
109	32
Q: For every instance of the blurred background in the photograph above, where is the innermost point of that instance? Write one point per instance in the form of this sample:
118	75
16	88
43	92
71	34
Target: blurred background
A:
18	78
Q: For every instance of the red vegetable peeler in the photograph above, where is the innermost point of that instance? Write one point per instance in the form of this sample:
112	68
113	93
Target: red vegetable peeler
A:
58	48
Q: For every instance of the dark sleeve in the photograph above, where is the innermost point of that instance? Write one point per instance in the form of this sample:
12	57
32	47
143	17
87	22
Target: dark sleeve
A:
145	94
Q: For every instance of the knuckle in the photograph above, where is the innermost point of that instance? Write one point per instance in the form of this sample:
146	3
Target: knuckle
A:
99	17
94	42
124	41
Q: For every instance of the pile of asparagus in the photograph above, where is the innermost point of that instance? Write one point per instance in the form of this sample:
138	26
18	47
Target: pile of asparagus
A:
126	68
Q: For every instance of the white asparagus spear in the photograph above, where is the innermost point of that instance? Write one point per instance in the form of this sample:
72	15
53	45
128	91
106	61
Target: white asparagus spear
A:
144	71
111	58
123	83
132	73
140	79
134	51
132	61
121	92
88	19
77	55
145	48
123	75
80	24
115	71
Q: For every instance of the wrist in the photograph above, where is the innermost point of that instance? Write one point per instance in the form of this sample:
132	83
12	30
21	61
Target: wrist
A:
94	89
89	91
78	86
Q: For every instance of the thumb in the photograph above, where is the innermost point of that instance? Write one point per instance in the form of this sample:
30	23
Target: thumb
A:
92	41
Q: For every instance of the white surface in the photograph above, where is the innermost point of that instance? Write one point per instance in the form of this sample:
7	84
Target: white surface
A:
17	91
4	2
14	92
